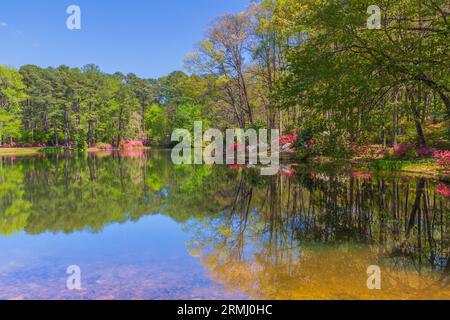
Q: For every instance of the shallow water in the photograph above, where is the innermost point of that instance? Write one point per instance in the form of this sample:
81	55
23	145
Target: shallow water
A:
141	228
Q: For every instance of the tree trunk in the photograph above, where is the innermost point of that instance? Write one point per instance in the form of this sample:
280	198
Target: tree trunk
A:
119	133
143	117
89	133
443	92
55	132
417	121
394	126
66	125
420	135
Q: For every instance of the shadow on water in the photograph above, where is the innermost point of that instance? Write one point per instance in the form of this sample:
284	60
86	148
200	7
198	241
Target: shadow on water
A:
306	235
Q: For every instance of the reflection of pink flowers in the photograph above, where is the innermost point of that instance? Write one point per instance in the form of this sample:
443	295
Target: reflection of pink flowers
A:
443	190
402	148
133	153
361	175
443	158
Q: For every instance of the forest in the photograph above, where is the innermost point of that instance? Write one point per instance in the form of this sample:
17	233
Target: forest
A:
308	67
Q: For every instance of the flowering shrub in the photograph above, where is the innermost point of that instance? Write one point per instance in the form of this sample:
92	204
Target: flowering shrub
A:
425	152
402	148
25	145
443	190
7	146
367	151
132	144
361	175
287	172
443	158
103	146
290	138
235	166
370	151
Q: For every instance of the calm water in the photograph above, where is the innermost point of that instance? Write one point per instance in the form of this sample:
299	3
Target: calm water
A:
142	228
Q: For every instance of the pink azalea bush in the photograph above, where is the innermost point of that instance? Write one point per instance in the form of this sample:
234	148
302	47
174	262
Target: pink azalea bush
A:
24	145
287	172
103	146
289	138
236	166
132	144
361	175
443	158
443	190
425	152
402	148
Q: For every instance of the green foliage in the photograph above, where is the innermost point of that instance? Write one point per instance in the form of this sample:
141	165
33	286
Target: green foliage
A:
51	150
81	143
11	96
157	123
386	165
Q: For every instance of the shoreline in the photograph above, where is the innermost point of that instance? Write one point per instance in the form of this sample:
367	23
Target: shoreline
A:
423	168
19	151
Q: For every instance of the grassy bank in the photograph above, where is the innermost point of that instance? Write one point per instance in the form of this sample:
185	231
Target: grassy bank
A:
18	151
428	168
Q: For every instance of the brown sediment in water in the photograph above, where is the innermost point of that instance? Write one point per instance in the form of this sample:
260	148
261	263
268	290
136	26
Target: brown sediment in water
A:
323	274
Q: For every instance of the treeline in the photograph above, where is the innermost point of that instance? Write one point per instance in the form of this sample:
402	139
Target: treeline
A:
311	67
83	107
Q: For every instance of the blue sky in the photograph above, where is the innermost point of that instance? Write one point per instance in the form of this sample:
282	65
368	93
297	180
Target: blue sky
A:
147	37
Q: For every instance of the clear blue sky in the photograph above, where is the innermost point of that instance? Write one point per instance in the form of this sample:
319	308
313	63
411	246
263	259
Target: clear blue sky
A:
147	37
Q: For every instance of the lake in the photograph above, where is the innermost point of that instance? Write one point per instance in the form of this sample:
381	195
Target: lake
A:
140	227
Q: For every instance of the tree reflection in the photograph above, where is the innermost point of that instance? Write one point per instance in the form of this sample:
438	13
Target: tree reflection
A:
308	236
315	236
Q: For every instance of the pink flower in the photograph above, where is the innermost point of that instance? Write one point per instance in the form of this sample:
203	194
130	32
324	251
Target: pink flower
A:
443	190
361	175
290	138
402	148
425	152
132	144
287	172
105	147
443	158
235	166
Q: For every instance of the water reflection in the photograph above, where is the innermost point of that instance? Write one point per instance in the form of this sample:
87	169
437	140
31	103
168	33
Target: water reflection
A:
307	233
315	236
